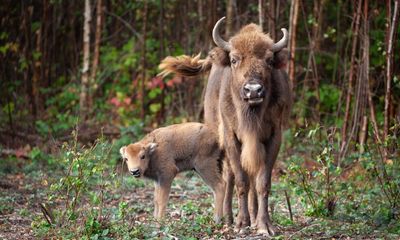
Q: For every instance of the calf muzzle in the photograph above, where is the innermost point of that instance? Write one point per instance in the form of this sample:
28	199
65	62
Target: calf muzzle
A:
135	172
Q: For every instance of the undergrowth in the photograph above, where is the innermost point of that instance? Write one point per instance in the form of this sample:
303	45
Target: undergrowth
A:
92	197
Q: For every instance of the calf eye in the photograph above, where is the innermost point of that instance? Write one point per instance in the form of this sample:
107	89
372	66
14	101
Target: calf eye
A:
142	157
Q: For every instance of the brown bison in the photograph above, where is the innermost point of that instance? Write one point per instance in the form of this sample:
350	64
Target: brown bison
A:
247	101
167	151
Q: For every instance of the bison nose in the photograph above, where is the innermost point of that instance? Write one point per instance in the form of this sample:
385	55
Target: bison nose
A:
135	172
253	90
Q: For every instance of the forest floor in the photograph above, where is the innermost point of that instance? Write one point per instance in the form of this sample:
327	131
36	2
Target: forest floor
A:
189	212
127	205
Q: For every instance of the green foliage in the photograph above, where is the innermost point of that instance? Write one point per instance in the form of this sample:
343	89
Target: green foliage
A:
363	189
82	182
315	184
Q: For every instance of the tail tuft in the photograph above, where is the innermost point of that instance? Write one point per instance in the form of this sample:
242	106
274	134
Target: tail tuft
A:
184	66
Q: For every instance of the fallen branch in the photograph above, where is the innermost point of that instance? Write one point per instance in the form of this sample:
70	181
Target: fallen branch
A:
12	152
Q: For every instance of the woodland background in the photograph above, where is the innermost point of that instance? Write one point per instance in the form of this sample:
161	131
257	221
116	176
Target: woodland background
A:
79	80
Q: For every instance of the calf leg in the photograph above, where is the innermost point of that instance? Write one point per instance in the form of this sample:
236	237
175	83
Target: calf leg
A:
156	199
161	195
213	178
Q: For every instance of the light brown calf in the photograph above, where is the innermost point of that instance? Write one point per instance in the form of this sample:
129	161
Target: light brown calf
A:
167	151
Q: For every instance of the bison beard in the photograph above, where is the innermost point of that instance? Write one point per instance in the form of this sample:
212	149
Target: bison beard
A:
250	134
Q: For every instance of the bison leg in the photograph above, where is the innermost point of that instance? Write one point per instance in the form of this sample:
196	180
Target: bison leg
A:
253	205
242	191
229	180
213	178
241	180
263	185
161	195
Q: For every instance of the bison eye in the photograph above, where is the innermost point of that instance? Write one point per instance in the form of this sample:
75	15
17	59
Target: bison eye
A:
125	159
142	157
233	61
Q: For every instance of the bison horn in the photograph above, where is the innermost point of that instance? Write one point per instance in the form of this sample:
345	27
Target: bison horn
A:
217	38
282	43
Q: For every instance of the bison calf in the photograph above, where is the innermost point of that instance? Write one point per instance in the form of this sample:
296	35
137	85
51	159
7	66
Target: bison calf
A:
167	151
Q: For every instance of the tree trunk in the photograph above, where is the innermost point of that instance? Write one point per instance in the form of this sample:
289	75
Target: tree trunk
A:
161	56
365	73
229	18
261	13
96	53
27	50
144	63
355	30
391	33
271	19
294	10
83	99
360	105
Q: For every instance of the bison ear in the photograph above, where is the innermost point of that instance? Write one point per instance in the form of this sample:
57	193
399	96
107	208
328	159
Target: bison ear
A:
219	56
151	147
281	58
122	151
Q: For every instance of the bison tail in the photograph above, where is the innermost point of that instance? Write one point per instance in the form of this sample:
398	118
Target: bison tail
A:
184	66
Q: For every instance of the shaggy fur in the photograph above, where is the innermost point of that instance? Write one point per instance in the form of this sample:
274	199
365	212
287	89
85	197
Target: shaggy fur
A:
250	133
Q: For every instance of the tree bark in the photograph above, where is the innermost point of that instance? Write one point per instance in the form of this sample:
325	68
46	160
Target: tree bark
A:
144	62
261	13
391	31
271	19
161	56
96	52
360	106
294	10
365	75
229	18
83	99
356	27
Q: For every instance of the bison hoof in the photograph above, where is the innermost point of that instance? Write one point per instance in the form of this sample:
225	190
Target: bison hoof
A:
253	224
242	231
269	229
217	219
241	223
228	220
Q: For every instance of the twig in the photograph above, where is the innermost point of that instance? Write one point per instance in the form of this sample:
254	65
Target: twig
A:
301	230
47	214
126	25
289	205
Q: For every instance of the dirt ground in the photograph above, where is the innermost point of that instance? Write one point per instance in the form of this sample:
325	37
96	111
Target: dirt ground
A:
21	198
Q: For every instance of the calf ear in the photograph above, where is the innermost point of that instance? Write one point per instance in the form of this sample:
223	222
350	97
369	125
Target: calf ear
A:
281	58
151	147
122	151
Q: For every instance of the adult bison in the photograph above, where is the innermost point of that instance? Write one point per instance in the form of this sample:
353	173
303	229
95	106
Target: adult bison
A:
247	101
